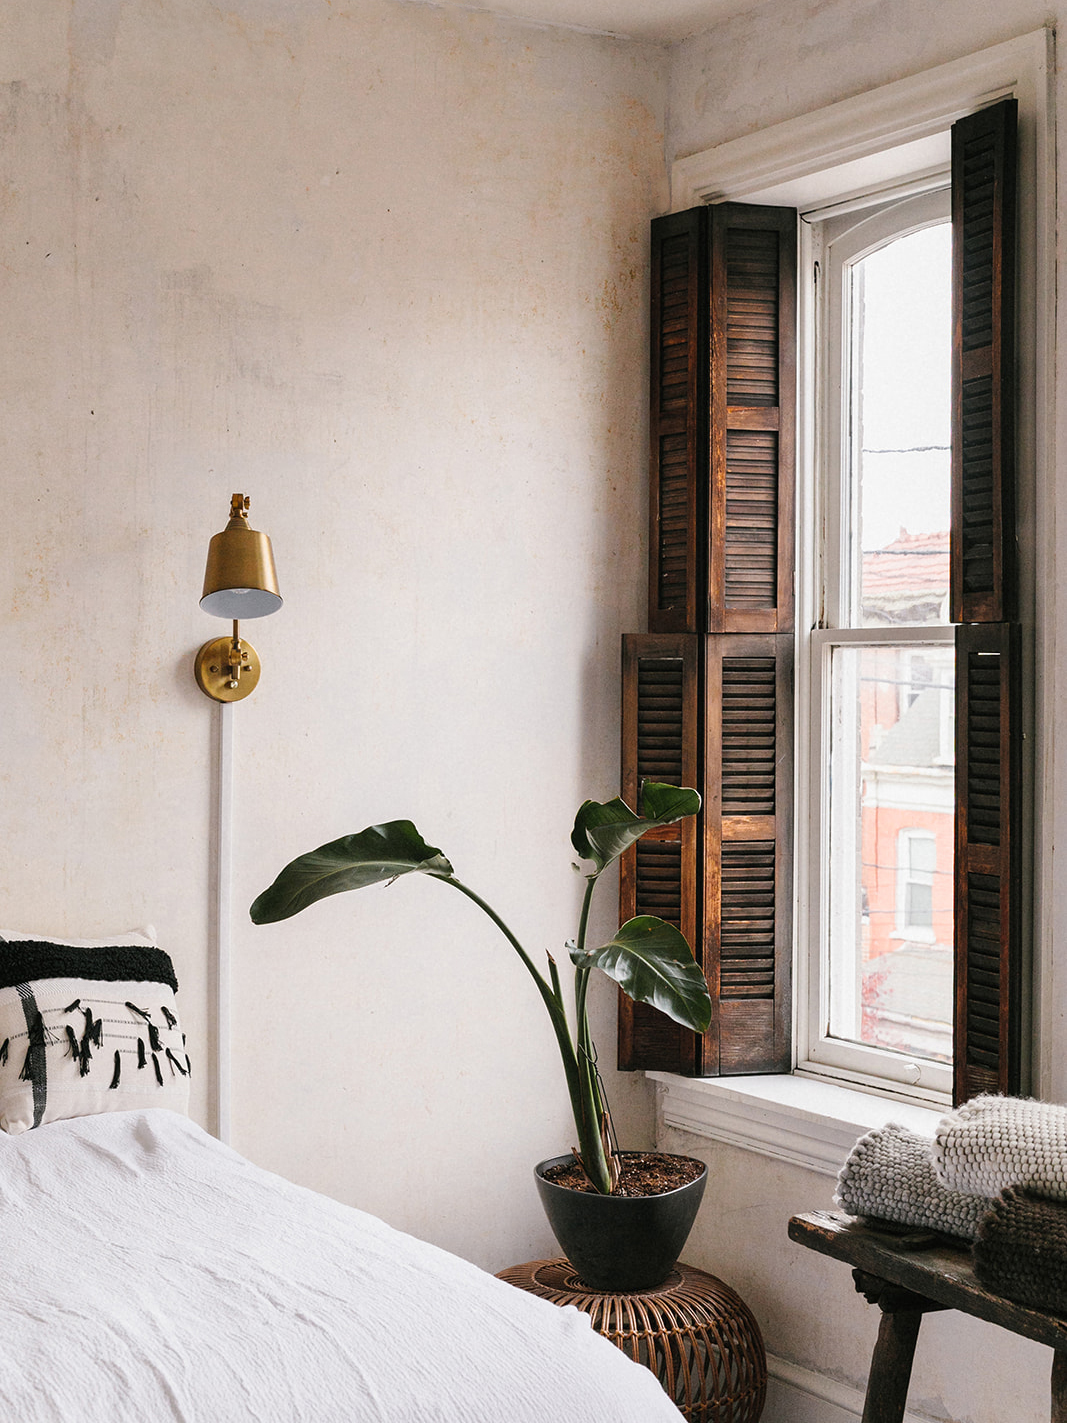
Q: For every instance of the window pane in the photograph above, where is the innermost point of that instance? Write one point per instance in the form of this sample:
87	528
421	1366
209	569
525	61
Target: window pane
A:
891	851
900	328
919	906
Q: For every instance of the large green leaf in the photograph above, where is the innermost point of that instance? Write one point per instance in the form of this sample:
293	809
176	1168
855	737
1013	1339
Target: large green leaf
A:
374	856
652	963
602	831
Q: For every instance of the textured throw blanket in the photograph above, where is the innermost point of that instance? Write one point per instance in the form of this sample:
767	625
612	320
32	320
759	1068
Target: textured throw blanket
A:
994	1142
1021	1250
889	1174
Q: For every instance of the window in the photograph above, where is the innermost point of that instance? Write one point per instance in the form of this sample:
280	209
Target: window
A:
916	866
906	686
881	984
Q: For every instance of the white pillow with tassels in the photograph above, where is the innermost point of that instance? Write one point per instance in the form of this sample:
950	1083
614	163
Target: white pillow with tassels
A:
87	1026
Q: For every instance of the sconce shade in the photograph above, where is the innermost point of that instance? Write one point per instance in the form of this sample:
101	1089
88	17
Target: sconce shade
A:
240	580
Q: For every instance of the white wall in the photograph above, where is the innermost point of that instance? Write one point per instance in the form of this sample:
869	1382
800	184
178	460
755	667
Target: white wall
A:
771	64
383	268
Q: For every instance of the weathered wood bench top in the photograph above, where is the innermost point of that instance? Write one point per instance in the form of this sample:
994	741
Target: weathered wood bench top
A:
908	1275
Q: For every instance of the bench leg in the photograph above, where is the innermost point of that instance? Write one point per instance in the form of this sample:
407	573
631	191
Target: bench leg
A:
887	1383
1059	1386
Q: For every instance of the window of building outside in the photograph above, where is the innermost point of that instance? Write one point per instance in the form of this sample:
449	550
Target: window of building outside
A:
884	657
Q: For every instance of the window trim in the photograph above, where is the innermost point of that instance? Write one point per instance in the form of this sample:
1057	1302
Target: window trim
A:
848	137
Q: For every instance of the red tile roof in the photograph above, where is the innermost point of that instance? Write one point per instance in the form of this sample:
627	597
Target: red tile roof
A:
912	563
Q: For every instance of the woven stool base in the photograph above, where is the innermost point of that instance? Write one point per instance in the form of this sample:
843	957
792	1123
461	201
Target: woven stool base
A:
696	1335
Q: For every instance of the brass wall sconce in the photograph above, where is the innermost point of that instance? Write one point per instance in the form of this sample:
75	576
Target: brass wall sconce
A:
239	582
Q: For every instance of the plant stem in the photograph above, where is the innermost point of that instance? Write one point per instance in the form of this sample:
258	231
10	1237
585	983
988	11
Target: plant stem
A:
578	1067
597	1167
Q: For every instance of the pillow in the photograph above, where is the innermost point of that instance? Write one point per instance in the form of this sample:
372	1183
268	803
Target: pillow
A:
87	1026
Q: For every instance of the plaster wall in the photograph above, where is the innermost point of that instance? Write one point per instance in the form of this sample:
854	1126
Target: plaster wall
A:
382	267
773	63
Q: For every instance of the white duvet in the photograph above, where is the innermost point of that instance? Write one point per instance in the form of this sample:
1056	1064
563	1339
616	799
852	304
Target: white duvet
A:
150	1273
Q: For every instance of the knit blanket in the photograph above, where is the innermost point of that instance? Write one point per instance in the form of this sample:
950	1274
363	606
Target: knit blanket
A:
889	1174
1021	1250
993	1142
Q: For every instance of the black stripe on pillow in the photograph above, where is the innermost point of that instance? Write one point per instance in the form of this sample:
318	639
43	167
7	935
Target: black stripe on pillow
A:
26	960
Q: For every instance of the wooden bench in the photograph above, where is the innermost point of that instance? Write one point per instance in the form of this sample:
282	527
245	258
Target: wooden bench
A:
907	1276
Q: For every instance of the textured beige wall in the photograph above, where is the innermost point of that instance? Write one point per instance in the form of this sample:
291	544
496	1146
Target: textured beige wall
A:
383	267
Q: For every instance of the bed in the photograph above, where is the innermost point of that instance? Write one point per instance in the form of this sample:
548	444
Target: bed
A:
152	1273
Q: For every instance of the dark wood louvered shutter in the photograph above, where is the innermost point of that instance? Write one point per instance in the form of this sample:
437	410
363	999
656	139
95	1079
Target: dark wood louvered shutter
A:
722	550
751	533
988	957
984	601
678	423
983	563
748	852
661	874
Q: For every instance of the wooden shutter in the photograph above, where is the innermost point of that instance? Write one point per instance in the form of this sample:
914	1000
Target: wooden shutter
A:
748	852
984	600
751	533
983	366
722	549
661	874
988	956
678	425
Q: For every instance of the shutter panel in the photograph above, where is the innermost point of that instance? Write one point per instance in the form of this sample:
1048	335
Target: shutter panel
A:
753	418
983	374
748	852
984	599
661	874
678	428
988	949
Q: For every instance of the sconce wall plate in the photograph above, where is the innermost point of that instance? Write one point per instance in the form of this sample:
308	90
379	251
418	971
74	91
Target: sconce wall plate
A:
214	672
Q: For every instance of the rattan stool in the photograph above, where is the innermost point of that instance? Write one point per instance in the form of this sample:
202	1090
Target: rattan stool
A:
696	1335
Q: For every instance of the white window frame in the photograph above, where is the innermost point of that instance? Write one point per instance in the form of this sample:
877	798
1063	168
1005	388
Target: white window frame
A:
834	242
827	158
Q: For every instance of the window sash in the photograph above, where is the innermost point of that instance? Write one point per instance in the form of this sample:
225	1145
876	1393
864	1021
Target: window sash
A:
820	1053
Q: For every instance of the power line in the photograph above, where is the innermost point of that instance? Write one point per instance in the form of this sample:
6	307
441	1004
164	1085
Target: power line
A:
905	450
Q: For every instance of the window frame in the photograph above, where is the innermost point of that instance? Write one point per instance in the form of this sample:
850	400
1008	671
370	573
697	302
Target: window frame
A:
832	243
840	148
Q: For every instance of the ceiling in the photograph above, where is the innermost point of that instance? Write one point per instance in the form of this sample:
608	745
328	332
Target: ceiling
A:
659	20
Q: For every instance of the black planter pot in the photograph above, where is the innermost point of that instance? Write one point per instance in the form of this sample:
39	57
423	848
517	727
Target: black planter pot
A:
620	1243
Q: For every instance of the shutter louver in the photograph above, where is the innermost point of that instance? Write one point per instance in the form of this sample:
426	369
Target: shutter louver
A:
983	374
748	843
678	456
988	956
753	399
660	874
984	597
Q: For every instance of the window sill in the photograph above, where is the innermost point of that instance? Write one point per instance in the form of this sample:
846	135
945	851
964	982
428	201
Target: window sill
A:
790	1118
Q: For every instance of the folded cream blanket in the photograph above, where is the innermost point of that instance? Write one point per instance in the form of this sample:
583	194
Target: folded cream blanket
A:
993	1142
889	1173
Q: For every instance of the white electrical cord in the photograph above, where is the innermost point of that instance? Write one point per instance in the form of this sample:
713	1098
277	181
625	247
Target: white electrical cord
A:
223	915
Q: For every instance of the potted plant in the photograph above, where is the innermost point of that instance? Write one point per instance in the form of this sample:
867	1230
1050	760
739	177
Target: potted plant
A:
632	1240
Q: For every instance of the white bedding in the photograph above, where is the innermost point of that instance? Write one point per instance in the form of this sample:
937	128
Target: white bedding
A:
150	1273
